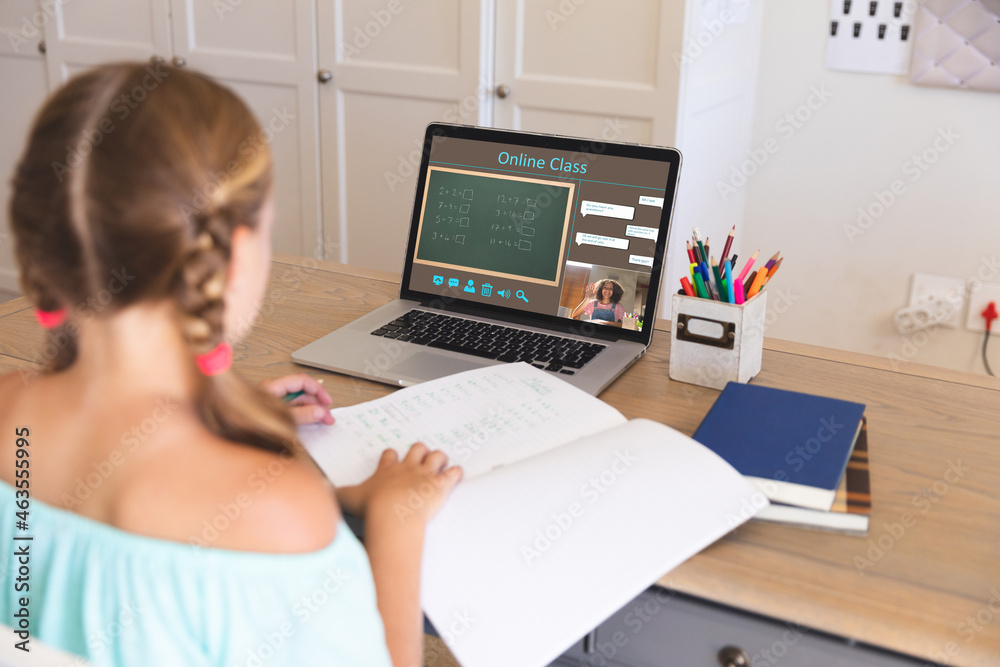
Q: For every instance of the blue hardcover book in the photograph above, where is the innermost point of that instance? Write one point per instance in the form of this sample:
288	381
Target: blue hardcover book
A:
794	447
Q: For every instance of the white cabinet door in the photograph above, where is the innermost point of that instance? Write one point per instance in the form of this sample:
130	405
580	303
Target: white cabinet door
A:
266	53
589	69
83	34
396	65
24	84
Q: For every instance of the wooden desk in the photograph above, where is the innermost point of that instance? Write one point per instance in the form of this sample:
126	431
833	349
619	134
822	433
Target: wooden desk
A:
931	559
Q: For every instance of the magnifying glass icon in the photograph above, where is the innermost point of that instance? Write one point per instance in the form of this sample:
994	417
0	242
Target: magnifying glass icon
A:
520	295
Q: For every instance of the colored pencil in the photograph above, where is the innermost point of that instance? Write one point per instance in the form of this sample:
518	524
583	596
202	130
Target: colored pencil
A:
690	253
728	245
773	270
771	261
743	273
718	277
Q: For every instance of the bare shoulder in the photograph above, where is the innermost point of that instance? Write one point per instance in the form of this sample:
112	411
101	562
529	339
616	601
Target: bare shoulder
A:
226	495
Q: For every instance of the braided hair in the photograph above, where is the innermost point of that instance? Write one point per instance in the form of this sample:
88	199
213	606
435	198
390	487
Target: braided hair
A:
130	188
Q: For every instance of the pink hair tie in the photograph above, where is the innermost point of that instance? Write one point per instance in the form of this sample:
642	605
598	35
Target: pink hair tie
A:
217	361
50	319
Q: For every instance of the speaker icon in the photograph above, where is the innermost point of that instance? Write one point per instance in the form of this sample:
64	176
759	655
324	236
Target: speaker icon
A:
505	293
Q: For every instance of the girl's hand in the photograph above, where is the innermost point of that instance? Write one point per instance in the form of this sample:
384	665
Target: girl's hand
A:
417	486
591	291
313	406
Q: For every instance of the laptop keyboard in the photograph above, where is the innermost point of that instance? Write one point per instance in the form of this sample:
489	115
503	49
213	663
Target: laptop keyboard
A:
492	341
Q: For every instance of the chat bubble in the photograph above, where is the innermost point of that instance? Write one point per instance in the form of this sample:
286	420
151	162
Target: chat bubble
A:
603	241
640	260
606	210
641	232
651	201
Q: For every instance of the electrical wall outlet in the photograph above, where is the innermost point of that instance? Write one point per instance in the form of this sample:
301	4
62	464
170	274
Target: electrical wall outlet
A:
929	289
980	295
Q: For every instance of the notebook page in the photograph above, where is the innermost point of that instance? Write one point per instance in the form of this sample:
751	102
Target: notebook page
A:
536	554
481	419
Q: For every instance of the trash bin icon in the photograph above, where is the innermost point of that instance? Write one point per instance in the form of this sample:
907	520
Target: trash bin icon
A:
487	289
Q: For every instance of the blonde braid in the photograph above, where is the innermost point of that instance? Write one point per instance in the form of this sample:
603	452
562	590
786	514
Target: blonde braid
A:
200	283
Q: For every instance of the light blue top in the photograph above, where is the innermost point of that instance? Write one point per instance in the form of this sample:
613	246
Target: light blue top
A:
118	598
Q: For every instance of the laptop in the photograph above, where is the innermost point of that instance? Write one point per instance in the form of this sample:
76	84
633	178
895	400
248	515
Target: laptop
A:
522	247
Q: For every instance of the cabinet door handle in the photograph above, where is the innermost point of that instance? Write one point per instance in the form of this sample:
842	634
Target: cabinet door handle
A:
179	62
324	76
733	656
503	90
155	60
41	47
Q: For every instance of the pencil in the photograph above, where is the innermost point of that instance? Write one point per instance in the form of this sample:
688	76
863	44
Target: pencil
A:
690	252
747	283
718	277
743	273
773	270
771	261
728	245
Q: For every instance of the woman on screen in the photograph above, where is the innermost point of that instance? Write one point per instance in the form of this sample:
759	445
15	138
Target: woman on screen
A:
602	303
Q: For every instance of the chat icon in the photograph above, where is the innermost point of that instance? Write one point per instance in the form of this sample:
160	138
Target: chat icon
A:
452	282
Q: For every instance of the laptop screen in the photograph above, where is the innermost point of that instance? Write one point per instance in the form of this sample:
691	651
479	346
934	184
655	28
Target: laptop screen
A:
557	229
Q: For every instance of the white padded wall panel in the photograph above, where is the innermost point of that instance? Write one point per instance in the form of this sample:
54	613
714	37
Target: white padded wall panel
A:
957	44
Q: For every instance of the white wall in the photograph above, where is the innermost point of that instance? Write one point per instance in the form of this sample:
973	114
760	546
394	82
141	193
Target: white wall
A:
839	290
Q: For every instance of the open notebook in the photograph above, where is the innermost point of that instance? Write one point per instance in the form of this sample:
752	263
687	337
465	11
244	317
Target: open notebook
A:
567	510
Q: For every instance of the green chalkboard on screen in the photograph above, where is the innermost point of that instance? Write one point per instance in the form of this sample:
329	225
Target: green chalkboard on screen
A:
508	226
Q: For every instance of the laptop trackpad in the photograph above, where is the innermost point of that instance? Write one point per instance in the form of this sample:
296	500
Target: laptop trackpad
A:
429	366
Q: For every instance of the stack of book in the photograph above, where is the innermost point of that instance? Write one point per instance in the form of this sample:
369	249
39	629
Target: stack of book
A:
808	454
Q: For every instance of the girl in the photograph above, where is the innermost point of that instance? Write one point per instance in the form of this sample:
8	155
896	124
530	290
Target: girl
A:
601	303
175	519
